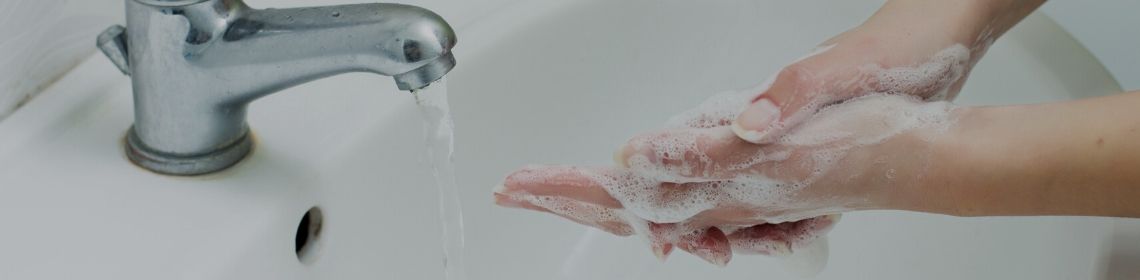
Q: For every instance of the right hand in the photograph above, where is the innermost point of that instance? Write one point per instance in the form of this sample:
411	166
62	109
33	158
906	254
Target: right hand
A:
901	50
700	188
857	63
919	48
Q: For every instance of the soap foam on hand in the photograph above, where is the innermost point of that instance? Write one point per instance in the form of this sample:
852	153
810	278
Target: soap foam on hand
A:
818	144
823	139
935	79
670	179
649	193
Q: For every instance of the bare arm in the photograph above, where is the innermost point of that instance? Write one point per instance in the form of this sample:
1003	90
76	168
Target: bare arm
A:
902	33
712	189
1071	158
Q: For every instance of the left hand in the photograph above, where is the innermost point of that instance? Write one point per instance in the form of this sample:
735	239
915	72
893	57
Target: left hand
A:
700	188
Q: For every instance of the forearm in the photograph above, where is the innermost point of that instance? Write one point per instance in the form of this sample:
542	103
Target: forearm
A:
972	23
1071	158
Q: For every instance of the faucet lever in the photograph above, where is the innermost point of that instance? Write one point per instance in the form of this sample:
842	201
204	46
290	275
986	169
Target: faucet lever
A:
113	43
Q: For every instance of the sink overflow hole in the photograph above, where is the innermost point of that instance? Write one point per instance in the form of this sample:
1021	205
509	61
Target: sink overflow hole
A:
308	234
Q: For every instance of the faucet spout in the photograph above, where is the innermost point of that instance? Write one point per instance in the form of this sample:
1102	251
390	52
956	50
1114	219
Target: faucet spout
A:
195	66
312	43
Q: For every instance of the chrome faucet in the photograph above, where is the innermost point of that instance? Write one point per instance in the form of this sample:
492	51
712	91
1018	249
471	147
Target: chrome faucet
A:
195	66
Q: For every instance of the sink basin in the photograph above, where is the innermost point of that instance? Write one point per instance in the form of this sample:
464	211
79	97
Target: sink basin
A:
537	82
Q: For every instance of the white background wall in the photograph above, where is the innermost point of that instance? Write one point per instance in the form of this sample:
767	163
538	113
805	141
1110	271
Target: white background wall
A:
41	39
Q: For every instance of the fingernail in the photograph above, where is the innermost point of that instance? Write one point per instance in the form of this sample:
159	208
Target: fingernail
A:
718	260
781	249
662	250
619	158
506	201
500	188
512	202
711	245
753	124
832	219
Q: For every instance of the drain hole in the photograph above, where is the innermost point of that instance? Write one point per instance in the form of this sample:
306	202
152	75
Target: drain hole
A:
308	234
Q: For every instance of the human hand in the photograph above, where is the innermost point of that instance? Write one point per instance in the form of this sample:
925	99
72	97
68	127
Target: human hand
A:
698	187
905	48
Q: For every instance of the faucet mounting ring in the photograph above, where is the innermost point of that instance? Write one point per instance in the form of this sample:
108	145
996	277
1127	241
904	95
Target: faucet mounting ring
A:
183	165
170	3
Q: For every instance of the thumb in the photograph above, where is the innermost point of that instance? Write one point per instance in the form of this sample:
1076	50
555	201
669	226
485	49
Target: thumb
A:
793	95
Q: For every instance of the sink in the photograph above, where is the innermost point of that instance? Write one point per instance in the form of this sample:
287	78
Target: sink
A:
537	82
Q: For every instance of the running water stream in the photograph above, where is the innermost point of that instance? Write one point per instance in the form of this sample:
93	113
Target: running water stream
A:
439	137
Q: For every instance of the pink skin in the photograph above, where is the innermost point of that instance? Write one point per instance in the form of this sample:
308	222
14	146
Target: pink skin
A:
797	92
843	72
578	195
900	34
750	223
717	156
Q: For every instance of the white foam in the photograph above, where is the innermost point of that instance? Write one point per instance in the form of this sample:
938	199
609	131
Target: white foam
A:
800	157
932	79
719	110
820	142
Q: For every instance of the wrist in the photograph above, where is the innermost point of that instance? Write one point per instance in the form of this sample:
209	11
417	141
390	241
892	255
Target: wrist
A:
954	21
985	159
973	23
910	170
947	166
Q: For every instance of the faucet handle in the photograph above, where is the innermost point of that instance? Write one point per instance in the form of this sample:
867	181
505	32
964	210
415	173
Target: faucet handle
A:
113	43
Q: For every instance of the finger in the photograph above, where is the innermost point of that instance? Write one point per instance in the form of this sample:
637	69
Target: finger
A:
577	183
646	198
661	239
696	155
781	239
707	243
710	244
764	239
796	93
510	201
582	213
802	88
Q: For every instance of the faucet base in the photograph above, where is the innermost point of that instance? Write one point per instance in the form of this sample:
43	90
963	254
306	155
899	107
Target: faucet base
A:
180	165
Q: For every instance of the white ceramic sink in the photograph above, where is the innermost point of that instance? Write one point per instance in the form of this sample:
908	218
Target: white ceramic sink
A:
537	82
